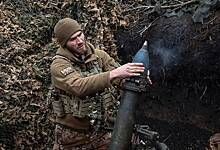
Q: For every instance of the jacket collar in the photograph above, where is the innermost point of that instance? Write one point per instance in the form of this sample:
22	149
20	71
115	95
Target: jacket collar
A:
90	55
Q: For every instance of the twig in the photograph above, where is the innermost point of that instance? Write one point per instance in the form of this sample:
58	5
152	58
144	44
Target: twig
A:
146	28
139	7
179	1
163	7
167	138
211	20
203	93
34	104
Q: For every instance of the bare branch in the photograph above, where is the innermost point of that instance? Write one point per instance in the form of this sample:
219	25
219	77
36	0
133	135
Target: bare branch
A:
147	27
163	7
179	1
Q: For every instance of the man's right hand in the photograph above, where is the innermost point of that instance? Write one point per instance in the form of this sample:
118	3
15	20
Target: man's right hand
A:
127	70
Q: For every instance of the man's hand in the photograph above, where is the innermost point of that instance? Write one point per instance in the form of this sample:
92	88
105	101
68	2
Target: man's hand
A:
127	70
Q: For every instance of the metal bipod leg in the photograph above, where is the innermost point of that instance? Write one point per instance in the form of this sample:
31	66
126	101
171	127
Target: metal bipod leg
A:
148	139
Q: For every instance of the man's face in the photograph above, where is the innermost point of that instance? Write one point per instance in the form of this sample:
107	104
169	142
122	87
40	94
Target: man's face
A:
76	43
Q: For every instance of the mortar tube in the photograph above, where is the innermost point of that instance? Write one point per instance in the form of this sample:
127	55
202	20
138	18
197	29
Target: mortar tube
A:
124	125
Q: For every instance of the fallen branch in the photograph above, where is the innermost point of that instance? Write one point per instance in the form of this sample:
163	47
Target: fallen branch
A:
163	7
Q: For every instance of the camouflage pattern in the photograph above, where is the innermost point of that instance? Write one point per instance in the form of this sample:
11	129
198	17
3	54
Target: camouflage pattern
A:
66	77
67	139
83	86
92	106
214	142
85	92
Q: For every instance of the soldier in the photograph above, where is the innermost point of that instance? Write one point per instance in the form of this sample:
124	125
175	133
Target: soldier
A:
82	77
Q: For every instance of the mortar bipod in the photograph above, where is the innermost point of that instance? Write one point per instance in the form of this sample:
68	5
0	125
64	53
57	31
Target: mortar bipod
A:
146	139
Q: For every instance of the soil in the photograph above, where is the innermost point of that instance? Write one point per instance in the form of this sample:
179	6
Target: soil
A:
183	102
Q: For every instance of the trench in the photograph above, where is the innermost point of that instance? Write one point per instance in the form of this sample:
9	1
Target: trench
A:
183	102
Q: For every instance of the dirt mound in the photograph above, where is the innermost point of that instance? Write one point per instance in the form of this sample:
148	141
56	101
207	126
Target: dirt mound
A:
184	57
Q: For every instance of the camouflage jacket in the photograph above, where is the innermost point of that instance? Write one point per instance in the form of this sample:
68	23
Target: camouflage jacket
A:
76	79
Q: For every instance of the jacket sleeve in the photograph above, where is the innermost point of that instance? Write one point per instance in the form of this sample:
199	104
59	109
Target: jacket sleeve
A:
109	64
65	77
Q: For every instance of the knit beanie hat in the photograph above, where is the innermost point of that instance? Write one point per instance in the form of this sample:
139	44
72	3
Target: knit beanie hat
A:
64	29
